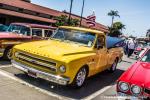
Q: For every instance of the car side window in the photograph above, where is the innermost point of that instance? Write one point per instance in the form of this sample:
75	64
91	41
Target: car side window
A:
37	32
25	31
100	43
48	33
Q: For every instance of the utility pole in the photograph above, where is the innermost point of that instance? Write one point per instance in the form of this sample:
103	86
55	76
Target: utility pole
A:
82	12
70	12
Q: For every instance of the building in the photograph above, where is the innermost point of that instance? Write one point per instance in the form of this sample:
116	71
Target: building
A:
25	11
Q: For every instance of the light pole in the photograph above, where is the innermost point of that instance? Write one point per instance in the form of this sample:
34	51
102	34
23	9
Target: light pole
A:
82	12
70	12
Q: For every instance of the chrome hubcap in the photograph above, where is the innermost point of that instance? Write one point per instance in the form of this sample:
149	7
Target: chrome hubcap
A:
9	54
81	77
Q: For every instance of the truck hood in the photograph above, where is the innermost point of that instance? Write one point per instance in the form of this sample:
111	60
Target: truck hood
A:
138	74
54	49
8	35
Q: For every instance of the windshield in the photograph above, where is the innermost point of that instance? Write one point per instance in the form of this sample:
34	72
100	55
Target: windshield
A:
146	57
19	29
76	36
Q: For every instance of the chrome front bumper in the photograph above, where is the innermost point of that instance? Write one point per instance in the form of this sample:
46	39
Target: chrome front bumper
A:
39	74
123	96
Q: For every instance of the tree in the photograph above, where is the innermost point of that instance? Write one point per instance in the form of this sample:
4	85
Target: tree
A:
116	29
63	20
113	14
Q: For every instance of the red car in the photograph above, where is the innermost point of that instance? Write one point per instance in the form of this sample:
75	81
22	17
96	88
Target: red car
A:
22	32
135	82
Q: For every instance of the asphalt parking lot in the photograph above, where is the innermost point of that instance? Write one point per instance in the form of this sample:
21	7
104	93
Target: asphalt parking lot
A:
14	83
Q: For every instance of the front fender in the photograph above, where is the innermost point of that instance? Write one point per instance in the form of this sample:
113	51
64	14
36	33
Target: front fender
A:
74	66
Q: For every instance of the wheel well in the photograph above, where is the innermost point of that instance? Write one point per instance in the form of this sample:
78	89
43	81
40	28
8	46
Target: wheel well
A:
87	68
8	47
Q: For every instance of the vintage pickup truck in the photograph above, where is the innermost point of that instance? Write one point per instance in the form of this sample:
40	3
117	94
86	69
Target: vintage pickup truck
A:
70	56
22	32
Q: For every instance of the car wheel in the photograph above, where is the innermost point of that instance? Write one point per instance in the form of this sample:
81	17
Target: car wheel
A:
7	53
80	78
113	66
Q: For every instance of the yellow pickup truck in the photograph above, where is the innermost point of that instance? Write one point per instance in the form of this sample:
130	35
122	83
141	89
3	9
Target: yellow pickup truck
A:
70	56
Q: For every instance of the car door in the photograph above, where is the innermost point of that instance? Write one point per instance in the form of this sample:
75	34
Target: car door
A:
101	53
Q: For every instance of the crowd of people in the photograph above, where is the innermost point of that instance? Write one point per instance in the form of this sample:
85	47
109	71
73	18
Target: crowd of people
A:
129	47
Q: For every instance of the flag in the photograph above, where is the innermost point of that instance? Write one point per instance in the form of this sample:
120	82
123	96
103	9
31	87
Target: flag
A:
90	20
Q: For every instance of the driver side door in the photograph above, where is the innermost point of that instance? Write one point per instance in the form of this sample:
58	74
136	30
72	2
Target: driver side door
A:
101	53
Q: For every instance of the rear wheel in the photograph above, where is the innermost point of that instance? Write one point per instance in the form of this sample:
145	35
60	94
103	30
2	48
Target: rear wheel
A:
80	78
7	53
113	66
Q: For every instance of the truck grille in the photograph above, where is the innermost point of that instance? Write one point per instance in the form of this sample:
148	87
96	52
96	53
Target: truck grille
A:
51	66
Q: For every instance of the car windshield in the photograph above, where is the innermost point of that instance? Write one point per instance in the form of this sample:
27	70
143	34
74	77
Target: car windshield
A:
76	36
19	29
146	57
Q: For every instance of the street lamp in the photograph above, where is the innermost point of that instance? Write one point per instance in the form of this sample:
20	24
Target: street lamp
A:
70	12
82	12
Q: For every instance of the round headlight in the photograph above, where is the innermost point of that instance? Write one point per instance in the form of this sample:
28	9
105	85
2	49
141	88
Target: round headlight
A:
16	54
124	87
62	69
136	89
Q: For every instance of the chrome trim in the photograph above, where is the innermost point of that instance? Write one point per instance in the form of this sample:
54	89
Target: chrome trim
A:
132	91
36	57
123	82
35	61
47	76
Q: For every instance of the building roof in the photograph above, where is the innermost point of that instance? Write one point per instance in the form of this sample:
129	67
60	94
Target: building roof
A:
17	14
31	6
43	10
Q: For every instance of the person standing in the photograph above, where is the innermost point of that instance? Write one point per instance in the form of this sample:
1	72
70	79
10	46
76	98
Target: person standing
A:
131	47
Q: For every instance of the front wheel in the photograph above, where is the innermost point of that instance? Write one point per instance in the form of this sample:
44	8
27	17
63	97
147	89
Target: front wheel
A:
7	53
80	78
113	66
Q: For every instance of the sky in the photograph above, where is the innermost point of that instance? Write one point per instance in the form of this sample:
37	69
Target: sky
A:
135	14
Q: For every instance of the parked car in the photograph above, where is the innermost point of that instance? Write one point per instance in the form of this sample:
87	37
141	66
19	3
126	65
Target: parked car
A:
3	28
22	32
69	57
140	48
135	82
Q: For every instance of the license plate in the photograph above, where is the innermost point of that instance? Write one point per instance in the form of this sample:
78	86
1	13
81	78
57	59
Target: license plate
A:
32	74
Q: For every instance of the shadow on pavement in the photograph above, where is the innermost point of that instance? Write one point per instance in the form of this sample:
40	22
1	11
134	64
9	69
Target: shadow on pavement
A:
4	62
92	85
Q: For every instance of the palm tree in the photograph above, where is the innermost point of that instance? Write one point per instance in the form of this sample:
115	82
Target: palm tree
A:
119	26
116	29
113	14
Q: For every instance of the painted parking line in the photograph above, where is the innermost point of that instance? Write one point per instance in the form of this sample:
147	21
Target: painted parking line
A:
5	66
92	96
11	76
